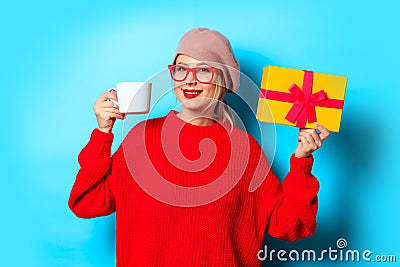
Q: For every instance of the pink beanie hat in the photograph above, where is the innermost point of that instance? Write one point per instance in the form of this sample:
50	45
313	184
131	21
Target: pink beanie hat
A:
214	49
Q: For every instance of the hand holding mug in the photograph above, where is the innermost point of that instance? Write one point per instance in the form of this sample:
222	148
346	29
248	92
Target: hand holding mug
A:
107	111
133	98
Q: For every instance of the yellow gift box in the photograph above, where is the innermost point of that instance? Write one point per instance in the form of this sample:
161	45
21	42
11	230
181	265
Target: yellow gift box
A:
301	98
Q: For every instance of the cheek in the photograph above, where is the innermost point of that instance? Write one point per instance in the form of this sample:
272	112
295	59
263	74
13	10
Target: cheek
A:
178	86
210	89
178	92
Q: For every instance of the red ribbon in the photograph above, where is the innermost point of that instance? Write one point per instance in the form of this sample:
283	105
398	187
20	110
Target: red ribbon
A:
304	101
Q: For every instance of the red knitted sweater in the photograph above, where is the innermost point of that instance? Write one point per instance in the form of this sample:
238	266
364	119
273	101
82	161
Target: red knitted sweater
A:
192	202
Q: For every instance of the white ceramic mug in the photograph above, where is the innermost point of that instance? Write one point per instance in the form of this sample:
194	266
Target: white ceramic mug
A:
133	97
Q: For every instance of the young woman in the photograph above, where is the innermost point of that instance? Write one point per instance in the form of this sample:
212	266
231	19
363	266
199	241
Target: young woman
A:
190	188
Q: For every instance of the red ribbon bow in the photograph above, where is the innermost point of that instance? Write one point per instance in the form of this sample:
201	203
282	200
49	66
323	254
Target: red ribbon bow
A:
304	101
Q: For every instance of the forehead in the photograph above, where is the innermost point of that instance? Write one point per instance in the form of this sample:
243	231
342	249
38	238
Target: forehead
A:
188	61
185	58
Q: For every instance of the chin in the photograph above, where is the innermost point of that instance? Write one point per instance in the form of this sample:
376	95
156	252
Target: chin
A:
198	104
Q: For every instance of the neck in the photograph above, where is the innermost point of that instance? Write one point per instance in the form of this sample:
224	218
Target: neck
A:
199	118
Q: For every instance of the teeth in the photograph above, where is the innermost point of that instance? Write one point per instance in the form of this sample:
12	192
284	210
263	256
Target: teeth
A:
192	93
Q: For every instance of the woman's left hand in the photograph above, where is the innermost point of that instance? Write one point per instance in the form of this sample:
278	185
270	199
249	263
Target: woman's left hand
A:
309	140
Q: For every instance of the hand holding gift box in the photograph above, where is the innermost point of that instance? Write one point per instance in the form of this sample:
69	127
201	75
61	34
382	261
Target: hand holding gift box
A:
301	98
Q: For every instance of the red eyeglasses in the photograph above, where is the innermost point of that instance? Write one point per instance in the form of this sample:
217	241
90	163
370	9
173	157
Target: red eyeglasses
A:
179	73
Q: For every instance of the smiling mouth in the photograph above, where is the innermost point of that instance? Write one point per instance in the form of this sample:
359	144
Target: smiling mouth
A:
191	93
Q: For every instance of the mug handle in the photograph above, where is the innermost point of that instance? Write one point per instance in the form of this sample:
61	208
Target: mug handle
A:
112	100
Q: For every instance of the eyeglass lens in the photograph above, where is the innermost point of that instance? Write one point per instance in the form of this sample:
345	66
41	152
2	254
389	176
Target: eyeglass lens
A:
202	74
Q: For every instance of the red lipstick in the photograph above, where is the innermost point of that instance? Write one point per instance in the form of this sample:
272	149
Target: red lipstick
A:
190	93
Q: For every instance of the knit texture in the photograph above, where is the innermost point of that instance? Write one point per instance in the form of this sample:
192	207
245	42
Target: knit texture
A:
228	231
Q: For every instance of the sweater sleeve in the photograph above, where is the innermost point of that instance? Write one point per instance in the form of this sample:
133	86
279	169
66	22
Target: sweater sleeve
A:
92	195
288	210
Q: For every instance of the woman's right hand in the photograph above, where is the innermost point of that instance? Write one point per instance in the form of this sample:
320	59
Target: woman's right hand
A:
107	111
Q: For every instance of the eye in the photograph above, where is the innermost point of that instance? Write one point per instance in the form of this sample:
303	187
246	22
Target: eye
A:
204	70
180	69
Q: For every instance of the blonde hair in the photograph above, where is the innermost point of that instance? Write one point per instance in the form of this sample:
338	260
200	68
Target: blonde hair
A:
222	111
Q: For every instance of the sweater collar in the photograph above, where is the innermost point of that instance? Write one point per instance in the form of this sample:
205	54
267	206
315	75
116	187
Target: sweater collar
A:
193	134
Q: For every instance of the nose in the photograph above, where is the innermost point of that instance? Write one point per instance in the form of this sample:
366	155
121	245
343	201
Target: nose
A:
190	78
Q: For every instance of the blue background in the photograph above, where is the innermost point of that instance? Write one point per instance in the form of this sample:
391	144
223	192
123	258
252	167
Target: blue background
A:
57	57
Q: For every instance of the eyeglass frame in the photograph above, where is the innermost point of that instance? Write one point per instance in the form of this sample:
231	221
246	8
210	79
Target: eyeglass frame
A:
193	71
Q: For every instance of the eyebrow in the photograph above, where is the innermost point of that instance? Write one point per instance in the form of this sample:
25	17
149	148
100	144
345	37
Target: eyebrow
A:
198	64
